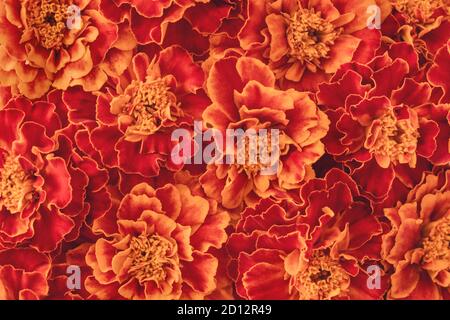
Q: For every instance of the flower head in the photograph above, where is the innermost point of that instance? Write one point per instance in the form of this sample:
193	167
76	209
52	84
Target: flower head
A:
244	97
159	248
417	246
305	42
58	43
316	250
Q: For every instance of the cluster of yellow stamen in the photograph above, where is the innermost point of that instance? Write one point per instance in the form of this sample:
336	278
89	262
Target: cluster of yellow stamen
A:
310	36
323	279
151	256
437	244
397	139
48	20
151	104
420	11
16	188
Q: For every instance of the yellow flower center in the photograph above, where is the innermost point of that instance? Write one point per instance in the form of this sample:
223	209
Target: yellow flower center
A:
397	139
152	103
16	188
48	20
420	10
323	279
152	256
437	244
310	36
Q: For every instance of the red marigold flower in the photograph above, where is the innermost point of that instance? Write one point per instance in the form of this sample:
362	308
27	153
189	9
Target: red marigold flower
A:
89	181
244	97
157	246
416	247
151	100
422	23
23	274
34	183
306	41
318	250
58	43
376	129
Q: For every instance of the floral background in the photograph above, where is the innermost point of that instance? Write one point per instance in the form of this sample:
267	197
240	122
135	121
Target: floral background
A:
91	91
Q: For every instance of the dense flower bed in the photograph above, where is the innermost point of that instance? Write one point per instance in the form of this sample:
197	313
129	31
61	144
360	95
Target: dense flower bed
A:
97	200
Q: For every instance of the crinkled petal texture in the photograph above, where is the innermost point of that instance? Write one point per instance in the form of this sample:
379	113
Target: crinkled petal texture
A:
59	43
153	98
244	97
379	124
311	251
416	247
23	274
306	41
224	149
149	20
158	245
36	184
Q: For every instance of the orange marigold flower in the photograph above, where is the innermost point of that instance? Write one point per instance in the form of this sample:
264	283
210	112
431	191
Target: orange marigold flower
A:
306	41
417	246
244	97
157	246
34	183
153	98
318	250
48	184
59	43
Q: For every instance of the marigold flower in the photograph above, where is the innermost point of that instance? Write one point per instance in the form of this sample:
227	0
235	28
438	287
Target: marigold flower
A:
155	98
416	247
243	96
318	250
34	184
46	187
306	41
376	129
58	43
159	248
422	23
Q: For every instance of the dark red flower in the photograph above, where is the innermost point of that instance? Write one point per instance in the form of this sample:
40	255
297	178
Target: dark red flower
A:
35	184
424	24
59	43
